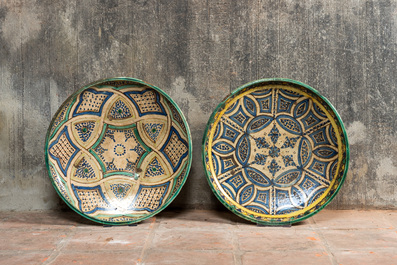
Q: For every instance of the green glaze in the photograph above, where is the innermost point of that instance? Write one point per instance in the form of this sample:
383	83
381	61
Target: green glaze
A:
71	100
256	218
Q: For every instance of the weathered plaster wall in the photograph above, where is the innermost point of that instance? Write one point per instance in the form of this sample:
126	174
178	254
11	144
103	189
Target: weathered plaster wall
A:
197	52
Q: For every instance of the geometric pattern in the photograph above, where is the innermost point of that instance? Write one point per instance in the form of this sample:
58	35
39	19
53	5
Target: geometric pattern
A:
146	102
91	199
119	151
176	148
119	110
91	102
117	148
154	169
286	157
120	190
59	183
84	170
63	150
85	129
153	130
177	117
149	198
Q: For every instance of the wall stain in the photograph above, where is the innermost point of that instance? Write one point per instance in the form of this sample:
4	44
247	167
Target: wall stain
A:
198	52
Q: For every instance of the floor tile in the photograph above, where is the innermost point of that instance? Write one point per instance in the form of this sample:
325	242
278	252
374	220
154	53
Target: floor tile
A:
200	219
19	258
391	217
54	220
349	219
115	239
192	239
281	239
286	257
188	258
369	239
30	240
41	220
199	237
354	257
99	258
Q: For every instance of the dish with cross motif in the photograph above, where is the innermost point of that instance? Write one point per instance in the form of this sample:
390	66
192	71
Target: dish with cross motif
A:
275	151
118	151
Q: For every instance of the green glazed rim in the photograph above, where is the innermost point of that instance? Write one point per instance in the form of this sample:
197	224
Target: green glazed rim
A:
72	98
275	221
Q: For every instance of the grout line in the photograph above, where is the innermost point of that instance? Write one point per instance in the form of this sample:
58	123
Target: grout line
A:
58	250
327	248
149	241
237	253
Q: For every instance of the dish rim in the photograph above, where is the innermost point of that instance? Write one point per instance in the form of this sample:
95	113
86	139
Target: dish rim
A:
74	95
222	104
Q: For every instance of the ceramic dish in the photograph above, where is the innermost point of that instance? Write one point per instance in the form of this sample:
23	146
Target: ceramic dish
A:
118	151
275	151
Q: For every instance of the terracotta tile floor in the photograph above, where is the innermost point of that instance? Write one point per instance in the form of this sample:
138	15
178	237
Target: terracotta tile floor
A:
199	237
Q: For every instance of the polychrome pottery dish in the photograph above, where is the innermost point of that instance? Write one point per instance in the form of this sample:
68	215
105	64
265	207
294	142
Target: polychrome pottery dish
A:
275	151
118	151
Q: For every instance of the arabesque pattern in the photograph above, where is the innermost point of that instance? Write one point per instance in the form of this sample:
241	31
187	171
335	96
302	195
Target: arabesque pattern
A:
117	152
275	153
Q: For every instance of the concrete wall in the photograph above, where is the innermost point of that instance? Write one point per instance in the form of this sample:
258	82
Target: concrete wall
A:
197	52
